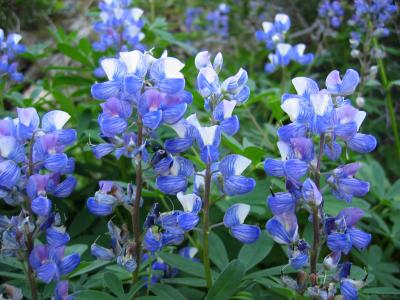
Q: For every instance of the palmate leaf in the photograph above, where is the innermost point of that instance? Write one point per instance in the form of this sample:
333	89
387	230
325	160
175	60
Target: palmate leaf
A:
90	295
114	284
166	292
228	282
218	254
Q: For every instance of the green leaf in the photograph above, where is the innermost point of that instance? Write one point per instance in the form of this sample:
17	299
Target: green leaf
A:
394	191
228	282
134	289
66	104
218	254
333	206
166	292
251	255
113	283
86	267
183	264
74	53
12	275
90	295
381	291
11	261
78	248
186	281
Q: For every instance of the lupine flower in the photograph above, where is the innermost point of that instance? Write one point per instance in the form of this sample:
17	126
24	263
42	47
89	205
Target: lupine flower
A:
61	291
333	11
342	235
119	26
327	115
273	35
234	218
9	50
231	168
218	21
192	17
49	262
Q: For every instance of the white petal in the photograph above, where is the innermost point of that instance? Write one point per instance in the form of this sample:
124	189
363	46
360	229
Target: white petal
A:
241	163
187	201
283	149
228	108
267	26
133	60
291	106
242	211
359	118
207	134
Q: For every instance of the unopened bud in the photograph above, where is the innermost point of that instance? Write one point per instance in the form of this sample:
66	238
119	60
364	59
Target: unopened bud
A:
360	101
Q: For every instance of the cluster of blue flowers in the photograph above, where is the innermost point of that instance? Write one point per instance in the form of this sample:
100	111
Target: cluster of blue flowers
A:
9	50
333	11
376	12
120	26
151	91
33	166
216	21
328	116
273	35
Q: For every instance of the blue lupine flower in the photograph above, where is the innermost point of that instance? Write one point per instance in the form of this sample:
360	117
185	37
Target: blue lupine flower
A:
234	218
50	264
157	108
348	290
333	11
283	228
273	35
61	291
280	203
119	26
192	15
175	179
218	21
107	198
344	185
231	167
9	49
342	235
186	137
292	169
342	87
298	256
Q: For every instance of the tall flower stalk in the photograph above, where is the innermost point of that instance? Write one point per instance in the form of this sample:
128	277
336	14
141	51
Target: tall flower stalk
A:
325	116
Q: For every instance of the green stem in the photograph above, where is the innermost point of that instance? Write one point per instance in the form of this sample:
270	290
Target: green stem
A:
315	216
206	231
389	102
136	204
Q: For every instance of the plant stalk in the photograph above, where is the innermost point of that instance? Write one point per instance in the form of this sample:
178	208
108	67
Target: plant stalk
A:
389	102
30	240
315	216
206	230
136	205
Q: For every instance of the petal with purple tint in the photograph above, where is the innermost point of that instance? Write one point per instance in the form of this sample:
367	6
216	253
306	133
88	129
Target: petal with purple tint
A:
245	233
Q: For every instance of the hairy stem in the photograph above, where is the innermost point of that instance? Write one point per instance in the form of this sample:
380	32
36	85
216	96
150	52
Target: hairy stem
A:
206	231
136	205
315	215
389	102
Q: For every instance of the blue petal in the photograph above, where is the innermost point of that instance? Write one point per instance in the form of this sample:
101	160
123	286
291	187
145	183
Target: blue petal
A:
245	233
178	145
281	202
171	85
164	165
292	130
48	272
187	221
173	114
238	185
230	126
105	90
97	208
171	184
209	154
111	126
242	96
283	228
348	290
66	136
101	150
133	84
152	119
41	206
333	151
274	167
310	192
362	143
101	253
208	82
57	237
69	263
172	239
299	260
353	186
9	174
236	214
56	162
65	188
295	168
339	242
359	238
152	242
